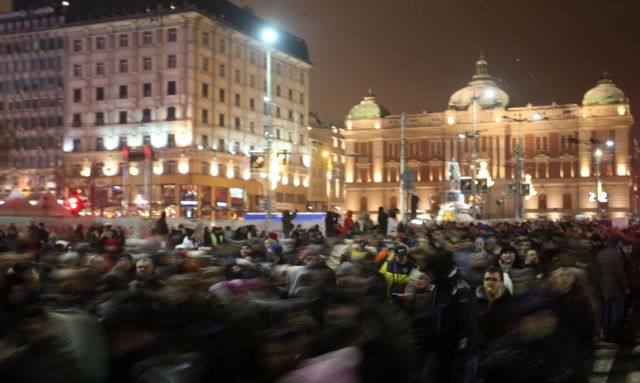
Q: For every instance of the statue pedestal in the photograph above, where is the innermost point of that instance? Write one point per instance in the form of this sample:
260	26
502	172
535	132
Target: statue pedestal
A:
454	209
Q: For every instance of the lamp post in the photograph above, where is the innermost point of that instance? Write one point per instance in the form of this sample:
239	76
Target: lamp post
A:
268	37
488	93
326	154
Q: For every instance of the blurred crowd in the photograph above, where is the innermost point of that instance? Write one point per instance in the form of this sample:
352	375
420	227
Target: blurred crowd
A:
357	302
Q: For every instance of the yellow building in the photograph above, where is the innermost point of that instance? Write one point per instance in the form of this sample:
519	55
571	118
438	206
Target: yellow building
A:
563	147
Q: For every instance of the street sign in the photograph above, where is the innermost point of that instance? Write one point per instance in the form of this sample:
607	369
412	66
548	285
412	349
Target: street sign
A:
465	184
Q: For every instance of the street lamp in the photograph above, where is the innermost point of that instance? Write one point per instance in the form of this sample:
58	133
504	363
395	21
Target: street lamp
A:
487	93
268	37
326	154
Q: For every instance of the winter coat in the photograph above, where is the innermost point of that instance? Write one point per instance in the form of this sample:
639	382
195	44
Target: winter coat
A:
577	318
613	281
493	317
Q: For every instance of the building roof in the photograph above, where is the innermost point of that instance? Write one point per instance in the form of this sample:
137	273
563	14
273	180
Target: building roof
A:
604	93
368	108
481	86
241	19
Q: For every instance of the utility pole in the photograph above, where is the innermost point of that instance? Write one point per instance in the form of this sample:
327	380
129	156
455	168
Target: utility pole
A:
474	158
269	138
518	153
402	175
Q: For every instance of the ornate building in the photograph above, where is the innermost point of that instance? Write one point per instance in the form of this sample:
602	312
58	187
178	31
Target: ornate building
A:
566	150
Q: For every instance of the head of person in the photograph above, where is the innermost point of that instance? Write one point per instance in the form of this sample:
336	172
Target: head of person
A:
562	280
596	241
532	257
508	256
493	282
479	245
246	251
401	254
145	268
125	262
274	251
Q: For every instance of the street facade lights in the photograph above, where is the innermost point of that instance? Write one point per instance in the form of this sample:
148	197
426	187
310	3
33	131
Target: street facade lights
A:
600	196
268	37
329	175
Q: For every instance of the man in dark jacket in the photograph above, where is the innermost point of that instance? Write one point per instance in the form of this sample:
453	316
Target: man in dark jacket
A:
383	220
614	286
493	305
451	323
287	222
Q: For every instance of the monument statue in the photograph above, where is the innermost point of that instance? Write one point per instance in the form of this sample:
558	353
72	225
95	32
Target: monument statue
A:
454	175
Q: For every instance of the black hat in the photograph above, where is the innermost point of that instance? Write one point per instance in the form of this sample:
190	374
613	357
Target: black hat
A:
401	251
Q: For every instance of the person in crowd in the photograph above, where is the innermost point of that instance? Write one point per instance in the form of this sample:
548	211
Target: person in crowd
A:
287	222
383	220
146	279
493	303
396	271
613	285
451	320
125	267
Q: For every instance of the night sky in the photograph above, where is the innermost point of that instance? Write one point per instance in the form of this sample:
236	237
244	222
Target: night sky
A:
415	53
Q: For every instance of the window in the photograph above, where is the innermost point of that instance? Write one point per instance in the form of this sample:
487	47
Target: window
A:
205	64
291	115
122	142
538	145
123	66
545	143
147	38
205	90
237	75
205	141
99	118
100	69
172	62
99	94
76	145
146	115
99	144
252	58
221	120
567	203
146	89
542	201
171	88
171	169
171	141
237	100
77	45
146	64
122	117
221	95
221	147
252	127
278	90
172	35
123	91
301	98
290	95
252	81
278	68
237	123
77	120
222	45
222	70
146	139
205	39
278	134
77	95
100	43
124	41
77	70
252	104
205	116
171	113
278	114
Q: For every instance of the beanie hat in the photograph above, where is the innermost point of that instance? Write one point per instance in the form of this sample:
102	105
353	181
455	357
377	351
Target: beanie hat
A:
276	249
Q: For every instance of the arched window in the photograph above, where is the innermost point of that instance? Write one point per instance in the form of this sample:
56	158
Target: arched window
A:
393	204
542	201
363	205
566	201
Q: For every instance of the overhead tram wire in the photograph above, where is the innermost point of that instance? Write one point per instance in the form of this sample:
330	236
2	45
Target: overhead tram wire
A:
373	40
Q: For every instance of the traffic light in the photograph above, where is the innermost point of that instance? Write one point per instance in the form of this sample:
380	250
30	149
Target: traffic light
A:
257	161
74	204
414	205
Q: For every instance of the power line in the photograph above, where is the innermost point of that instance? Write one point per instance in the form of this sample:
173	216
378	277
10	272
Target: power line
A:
373	40
443	28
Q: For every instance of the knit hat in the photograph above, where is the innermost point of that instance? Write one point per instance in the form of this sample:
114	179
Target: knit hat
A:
276	249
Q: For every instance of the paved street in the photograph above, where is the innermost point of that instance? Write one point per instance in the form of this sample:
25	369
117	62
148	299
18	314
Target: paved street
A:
619	364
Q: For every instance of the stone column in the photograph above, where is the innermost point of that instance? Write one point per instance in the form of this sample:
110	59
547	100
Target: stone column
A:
501	163
584	152
494	156
349	167
622	152
377	159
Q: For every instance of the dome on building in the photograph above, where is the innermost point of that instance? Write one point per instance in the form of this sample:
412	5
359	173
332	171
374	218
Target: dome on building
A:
604	93
481	86
368	108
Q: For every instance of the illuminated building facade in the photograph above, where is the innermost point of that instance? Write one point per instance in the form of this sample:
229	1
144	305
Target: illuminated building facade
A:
563	149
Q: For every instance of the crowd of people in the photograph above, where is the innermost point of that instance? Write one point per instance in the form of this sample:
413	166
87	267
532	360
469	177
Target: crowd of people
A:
357	302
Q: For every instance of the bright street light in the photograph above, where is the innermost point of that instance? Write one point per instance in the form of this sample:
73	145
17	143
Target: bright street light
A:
462	136
598	153
609	143
269	35
325	153
489	93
